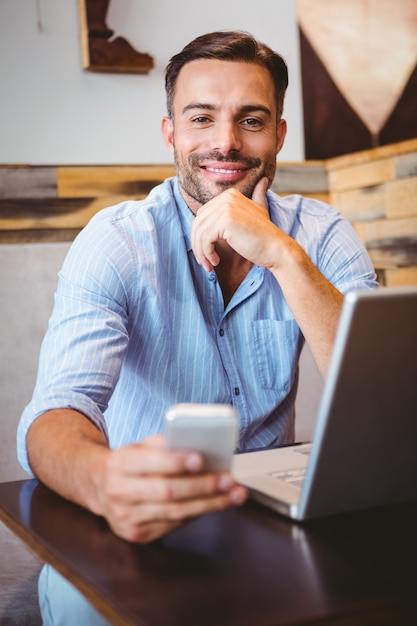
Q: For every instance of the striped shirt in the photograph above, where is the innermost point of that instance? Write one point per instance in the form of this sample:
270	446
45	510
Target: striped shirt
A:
138	325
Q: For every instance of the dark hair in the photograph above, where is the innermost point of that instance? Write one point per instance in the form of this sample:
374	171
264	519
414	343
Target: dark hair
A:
228	46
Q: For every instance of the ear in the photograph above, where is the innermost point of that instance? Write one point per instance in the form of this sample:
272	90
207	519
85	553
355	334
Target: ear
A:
167	128
281	133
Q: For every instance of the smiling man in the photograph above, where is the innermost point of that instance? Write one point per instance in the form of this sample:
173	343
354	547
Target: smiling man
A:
229	136
203	292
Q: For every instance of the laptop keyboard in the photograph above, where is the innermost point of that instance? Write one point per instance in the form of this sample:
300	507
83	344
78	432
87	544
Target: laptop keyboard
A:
293	476
296	475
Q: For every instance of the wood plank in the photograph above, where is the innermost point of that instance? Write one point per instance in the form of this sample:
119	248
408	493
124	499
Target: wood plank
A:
323	197
95	181
364	156
40	235
406	165
359	205
380	277
401	198
363	175
399	277
300	178
373	233
47	214
396	253
28	182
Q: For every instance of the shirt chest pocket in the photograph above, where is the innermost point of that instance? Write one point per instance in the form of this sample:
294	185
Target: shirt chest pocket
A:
275	350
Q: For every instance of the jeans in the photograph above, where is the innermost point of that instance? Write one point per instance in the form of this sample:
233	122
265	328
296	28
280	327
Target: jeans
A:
61	604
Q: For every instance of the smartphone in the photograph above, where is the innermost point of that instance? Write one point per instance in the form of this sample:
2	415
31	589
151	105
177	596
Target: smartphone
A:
211	429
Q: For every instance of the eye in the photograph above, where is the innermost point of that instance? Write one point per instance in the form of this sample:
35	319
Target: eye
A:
252	122
201	119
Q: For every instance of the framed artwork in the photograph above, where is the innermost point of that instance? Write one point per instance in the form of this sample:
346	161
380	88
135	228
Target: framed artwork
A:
100	51
359	74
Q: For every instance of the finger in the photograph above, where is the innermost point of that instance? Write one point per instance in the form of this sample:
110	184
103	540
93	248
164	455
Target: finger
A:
259	193
152	458
184	509
165	489
207	256
203	244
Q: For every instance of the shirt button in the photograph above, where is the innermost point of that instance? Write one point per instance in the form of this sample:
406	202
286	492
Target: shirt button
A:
221	332
212	277
237	391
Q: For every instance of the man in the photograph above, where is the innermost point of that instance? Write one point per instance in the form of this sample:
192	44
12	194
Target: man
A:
204	292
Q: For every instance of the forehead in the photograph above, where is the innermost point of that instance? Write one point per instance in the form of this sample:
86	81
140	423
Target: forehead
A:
213	80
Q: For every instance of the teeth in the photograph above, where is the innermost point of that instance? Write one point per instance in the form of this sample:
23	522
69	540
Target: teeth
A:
222	171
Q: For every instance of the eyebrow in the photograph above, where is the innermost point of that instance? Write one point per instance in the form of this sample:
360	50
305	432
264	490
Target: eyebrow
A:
247	108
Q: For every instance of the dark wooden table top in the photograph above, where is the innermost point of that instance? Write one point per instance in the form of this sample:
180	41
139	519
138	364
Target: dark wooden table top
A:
246	566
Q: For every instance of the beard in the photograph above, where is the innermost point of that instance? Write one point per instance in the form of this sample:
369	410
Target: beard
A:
201	192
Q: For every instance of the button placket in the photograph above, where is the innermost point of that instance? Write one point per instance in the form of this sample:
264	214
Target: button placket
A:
224	347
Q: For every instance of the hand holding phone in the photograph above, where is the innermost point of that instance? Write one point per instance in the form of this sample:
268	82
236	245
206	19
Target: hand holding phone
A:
210	429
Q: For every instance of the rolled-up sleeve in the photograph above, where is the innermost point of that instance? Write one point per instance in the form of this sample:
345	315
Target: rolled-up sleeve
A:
82	351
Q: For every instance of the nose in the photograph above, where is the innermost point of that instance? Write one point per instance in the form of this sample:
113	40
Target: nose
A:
226	137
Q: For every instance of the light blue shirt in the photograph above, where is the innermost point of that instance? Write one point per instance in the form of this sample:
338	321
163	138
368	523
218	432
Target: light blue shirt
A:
138	325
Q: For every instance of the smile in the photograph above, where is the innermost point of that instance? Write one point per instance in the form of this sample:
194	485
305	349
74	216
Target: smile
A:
219	170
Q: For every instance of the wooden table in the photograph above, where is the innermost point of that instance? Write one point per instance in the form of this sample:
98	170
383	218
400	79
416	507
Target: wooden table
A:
245	566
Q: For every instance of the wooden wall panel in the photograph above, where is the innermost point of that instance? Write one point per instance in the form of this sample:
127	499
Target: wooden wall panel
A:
54	203
375	189
94	181
27	182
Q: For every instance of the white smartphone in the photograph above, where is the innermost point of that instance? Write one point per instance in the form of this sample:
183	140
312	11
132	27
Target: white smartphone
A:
211	429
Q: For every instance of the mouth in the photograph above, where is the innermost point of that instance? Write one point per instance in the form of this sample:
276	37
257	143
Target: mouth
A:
224	171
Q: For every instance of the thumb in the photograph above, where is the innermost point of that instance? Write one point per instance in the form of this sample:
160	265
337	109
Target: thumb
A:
259	193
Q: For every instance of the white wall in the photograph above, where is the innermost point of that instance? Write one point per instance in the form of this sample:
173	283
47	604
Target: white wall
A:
54	112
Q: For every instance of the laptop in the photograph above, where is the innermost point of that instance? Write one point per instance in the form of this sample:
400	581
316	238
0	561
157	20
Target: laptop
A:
363	452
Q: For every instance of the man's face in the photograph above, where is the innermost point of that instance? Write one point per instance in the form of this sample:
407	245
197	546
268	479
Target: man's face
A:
225	131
